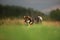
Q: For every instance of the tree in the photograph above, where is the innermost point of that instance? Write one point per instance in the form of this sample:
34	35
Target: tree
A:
55	14
17	11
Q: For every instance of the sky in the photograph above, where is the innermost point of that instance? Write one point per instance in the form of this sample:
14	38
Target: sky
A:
42	5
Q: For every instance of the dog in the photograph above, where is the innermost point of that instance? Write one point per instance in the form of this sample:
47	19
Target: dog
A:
28	20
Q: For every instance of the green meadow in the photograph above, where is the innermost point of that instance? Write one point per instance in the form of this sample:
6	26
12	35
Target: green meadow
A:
24	32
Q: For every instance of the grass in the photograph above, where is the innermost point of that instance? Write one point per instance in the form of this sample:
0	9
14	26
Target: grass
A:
35	32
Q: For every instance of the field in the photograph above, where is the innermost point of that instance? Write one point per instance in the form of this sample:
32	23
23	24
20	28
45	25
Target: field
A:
44	31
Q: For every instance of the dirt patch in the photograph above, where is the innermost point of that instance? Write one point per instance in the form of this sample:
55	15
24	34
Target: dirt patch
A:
55	23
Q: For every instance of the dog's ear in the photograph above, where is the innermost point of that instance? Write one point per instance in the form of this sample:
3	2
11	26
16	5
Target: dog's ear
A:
29	17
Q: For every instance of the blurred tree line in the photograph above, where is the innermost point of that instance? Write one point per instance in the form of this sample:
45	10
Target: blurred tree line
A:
17	11
7	11
55	14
